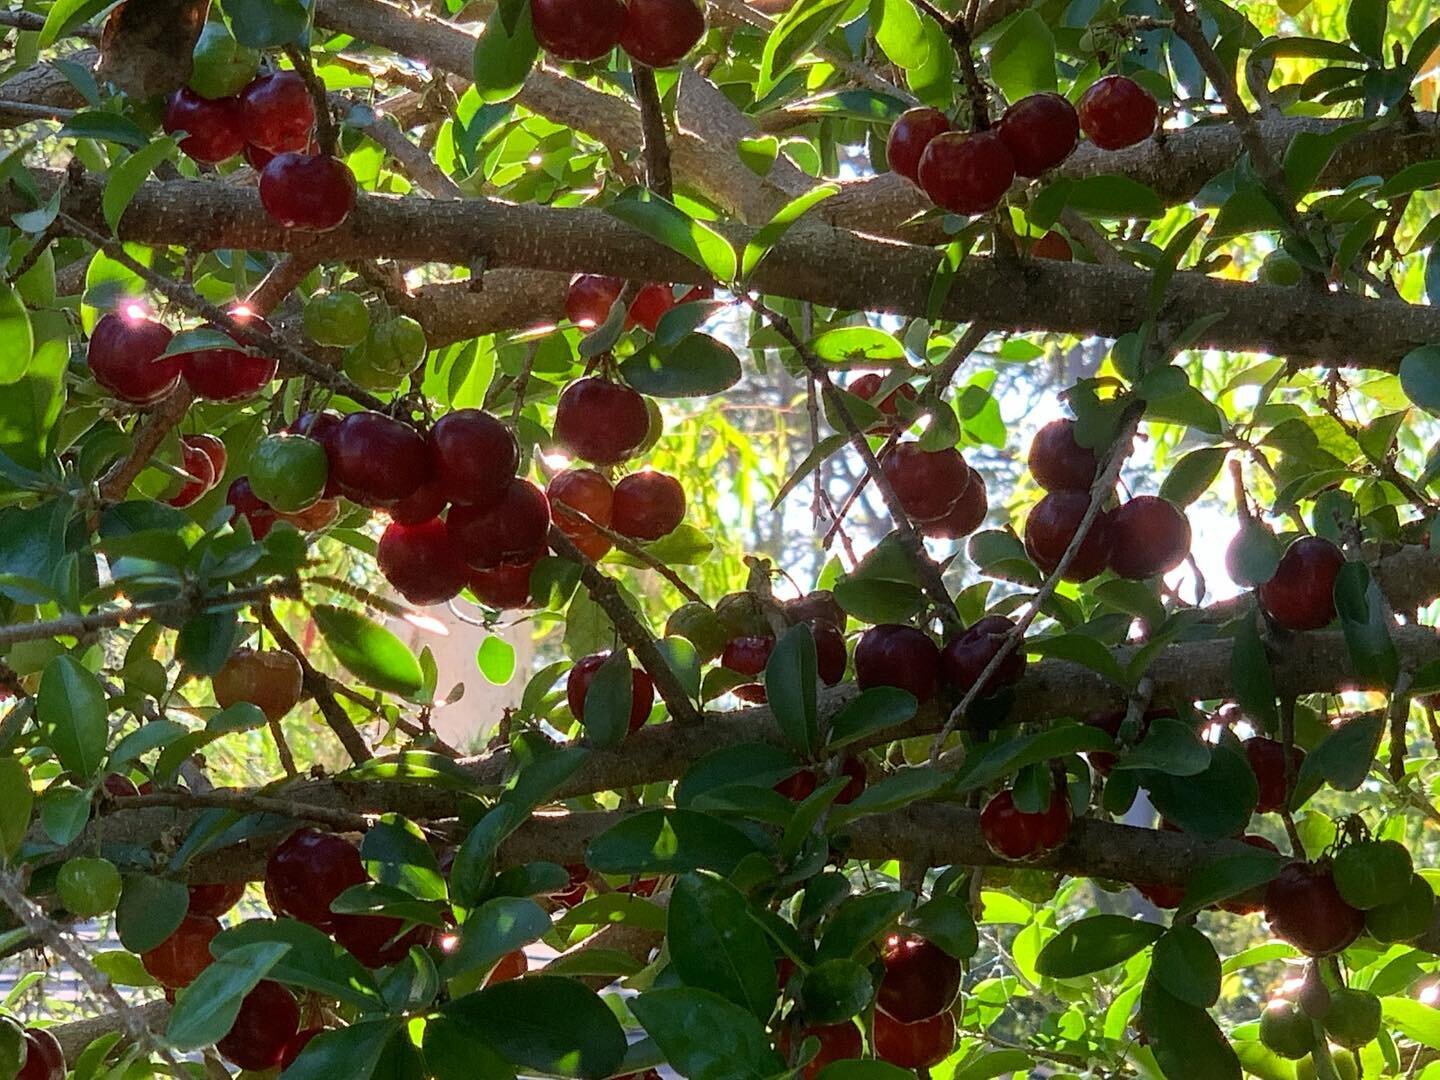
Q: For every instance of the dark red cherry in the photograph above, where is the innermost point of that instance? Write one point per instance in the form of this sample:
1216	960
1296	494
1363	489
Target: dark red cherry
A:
966	173
513	530
1052	245
1301	595
242	499
196	462
967	515
505	588
180	958
308	871
216	899
44	1056
600	421
230	374
660	32
419	561
867	386
212	126
1303	907
1051	526
296	1046
268	1021
928	483
322	426
920	1045
376	940
277	112
577	688
921	979
1117	112
120	787
747	655
648	505
474	457
838	1042
819	606
422	504
1058	462
1040	131
965	658
899	656
650	305
590	299
909	136
1148	536
124	356
577	29
313	192
1267	762
213	448
590	493
1013	834
574	892
376	459
1162	896
830	655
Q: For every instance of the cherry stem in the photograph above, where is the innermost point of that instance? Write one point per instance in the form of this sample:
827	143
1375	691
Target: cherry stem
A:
959	34
326	133
634	550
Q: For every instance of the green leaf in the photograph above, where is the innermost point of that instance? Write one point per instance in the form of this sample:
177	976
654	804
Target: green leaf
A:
395	853
1250	673
504	56
1192	475
492	930
1216	803
496	660
705	1037
759	152
1022	60
72	707
205	1010
897	790
1365	24
312	961
149	911
797	30
106	126
1081	649
414	767
1367	634
17	339
17	799
368	651
947	922
857	343
769	235
1343	757
1009	757
552	1025
899	32
859	920
715	945
873	710
1420	377
126	178
698	365
1229	876
267	24
791	685
608	701
1093	944
835	990
666	223
65	15
1185	1040
1169	747
353	1051
668	842
1187	966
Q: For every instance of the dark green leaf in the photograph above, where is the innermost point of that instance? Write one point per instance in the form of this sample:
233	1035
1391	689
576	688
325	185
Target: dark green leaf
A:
504	56
1251	675
876	709
368	651
668	842
715	945
72	707
859	920
205	1010
395	853
1169	747
353	1052
549	1024
1093	944
1192	475
1343	758
1227	877
149	911
698	365
492	930
705	1037
835	990
1363	618
666	223
1365	23
1187	966
791	684
947	921
763	241
313	962
800	28
1216	803
1185	1040
1420	377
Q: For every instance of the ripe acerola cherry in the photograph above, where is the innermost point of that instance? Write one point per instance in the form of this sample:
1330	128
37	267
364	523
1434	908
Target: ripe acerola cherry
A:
1058	462
268	1020
650	305
966	172
474	457
376	459
921	979
801	785
230	374
1148	536
119	786
1051	526
1301	595
1303	907
600	421
511	966
216	899
575	891
909	137
577	688
920	1045
269	679
505	588
965	658
899	656
928	483
747	655
376	940
513	530
1052	245
177	960
422	504
201	469
1162	896
590	298
213	448
1040	131
577	29
838	1042
124	356
1267	761
44	1057
307	872
967	515
257	513
1117	112
816	607
313	192
590	493
830	655
660	32
420	562
648	505
867	386
1012	834
277	112
212	128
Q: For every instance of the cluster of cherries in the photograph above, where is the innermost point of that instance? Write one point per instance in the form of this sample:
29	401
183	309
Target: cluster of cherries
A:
657	33
44	1057
969	172
272	122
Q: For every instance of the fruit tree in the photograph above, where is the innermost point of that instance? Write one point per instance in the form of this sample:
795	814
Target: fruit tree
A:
964	474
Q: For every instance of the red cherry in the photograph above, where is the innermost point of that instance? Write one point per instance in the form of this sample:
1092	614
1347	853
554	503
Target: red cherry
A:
296	1046
909	137
307	872
376	940
265	1026
660	32
868	385
1051	526
420	562
899	656
474	457
1012	834
1301	595
590	299
322	427
1267	762
1162	896
838	1042
229	374
1052	245
314	192
752	693
1117	112
196	462
577	687
601	421
1109	722
377	459
965	658
967	515
511	966
648	505
747	655
277	112
799	786
44	1057
119	786
966	173
590	493
1058	462
650	305
921	979
505	588
914	1046
853	769
242	499
1148	536
513	530
830	655
1303	907
1040	131
215	900
124	356
177	960
575	891
1238	906
212	126
643	887
927	483
422	504
577	29
214	449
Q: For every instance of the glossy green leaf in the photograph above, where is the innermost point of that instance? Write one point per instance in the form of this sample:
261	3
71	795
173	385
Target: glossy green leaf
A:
791	685
1094	944
715	945
504	56
368	651
126	178
769	235
205	1010
698	365
549	1024
668	842
706	1037
1022	60
72	708
667	224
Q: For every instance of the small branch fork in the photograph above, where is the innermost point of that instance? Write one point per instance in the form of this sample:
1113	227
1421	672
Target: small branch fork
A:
243	802
958	31
318	686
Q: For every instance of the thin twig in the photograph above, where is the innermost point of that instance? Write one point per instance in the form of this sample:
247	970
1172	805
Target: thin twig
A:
959	35
1287	753
318	686
162	418
631	548
652	128
34	111
243	802
278	283
325	132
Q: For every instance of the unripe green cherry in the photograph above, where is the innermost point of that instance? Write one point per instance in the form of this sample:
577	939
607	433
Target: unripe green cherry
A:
88	887
1373	873
288	471
338	319
397	346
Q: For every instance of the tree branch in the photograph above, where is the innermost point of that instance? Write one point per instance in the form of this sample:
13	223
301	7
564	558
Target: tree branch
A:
318	687
652	126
